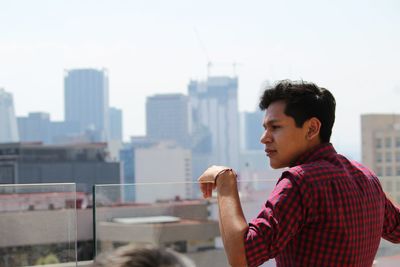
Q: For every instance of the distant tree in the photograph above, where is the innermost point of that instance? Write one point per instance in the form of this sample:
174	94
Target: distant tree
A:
49	259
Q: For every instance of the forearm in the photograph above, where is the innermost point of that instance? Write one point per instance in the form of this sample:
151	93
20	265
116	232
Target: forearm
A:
233	225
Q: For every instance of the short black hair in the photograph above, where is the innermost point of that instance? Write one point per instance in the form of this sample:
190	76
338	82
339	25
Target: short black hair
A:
132	256
304	100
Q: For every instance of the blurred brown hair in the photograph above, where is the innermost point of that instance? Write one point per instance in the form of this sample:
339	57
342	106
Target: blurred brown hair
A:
132	256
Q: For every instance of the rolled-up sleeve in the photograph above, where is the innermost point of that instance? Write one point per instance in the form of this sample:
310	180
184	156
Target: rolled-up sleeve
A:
279	220
391	226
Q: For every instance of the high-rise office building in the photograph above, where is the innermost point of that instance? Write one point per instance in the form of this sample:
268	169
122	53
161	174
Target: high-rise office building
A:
167	118
86	101
115	124
381	149
214	107
8	122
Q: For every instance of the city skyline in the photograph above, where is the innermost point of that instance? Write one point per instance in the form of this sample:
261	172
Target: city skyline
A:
156	47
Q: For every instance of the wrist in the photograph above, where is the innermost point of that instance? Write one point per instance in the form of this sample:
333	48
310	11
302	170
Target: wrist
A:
224	176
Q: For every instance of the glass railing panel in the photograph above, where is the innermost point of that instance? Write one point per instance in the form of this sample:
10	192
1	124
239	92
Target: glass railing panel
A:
37	224
170	215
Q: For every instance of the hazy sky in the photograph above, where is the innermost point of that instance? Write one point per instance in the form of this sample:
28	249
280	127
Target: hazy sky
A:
149	47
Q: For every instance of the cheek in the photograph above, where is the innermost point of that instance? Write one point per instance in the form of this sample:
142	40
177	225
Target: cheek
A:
295	138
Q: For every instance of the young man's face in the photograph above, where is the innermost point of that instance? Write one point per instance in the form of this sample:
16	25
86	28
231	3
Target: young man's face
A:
284	142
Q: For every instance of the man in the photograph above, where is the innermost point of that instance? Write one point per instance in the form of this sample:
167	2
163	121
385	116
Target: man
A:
325	210
132	256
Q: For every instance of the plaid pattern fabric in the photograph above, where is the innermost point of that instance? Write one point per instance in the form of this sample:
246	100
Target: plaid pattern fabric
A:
324	211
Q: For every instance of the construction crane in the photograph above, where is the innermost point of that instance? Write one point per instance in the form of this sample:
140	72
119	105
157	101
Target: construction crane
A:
210	63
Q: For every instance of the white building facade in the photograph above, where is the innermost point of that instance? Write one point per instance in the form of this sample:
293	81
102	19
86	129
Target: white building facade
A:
163	163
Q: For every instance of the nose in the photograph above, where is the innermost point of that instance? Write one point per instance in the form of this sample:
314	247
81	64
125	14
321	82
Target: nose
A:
266	137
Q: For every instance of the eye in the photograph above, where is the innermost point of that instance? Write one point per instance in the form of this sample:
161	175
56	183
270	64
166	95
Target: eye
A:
274	127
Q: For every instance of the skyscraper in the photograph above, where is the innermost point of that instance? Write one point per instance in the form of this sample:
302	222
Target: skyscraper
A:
86	101
8	122
214	107
167	118
115	124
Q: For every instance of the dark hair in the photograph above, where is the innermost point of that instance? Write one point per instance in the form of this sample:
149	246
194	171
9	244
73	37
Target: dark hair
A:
131	256
303	100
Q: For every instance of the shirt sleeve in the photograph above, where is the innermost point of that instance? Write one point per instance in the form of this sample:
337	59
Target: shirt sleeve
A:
391	226
277	223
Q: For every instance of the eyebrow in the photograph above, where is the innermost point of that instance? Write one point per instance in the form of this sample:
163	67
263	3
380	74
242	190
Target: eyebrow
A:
271	122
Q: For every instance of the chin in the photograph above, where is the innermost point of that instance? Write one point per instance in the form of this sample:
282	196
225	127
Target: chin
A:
277	165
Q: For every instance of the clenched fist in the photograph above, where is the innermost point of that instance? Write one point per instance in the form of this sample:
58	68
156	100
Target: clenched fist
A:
208	180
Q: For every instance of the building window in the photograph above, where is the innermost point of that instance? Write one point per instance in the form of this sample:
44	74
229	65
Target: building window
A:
388	142
398	186
397	156
7	173
397	141
398	172
388	171
378	157
378	142
388	156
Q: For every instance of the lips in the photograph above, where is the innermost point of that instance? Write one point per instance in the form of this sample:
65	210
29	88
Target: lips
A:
270	152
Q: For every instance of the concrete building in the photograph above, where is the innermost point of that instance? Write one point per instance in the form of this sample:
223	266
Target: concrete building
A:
127	158
35	127
214	108
381	149
83	164
62	132
167	118
8	122
87	100
163	163
38	127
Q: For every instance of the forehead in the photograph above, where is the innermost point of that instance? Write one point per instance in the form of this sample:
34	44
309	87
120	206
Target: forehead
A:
275	111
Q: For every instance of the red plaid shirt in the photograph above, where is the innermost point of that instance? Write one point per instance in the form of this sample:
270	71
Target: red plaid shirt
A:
325	211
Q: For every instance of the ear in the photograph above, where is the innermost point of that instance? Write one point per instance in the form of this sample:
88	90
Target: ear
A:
313	128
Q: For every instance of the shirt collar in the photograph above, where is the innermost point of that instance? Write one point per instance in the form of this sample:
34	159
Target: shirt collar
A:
320	151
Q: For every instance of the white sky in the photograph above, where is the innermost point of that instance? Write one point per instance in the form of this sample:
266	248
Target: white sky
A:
350	47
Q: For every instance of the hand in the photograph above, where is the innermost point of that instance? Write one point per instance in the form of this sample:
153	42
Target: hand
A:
207	179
